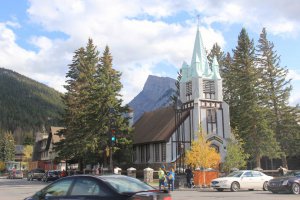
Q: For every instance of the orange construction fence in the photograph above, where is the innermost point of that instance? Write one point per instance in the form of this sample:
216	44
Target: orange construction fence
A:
204	179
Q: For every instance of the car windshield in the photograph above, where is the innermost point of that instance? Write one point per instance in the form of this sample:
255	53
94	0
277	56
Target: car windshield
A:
295	173
127	184
235	174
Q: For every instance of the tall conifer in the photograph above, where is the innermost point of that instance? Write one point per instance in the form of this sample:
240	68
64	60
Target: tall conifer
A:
249	117
275	92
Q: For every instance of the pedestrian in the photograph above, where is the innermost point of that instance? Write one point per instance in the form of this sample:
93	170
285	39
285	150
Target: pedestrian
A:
63	173
280	170
189	175
161	178
171	179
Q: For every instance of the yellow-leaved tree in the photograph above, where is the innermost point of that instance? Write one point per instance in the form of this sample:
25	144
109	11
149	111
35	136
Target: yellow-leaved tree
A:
202	154
27	151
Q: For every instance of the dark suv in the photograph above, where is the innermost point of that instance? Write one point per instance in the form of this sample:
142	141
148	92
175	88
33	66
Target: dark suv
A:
35	174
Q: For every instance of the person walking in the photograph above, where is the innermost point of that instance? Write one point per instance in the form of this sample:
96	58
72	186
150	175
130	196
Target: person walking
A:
161	178
189	176
171	179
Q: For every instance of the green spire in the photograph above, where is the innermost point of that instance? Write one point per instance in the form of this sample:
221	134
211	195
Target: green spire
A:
215	68
199	62
184	72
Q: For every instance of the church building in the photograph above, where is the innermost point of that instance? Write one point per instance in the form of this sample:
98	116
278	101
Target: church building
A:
162	136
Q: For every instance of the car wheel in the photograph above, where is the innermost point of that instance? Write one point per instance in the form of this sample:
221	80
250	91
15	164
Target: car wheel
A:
296	188
220	189
265	186
234	187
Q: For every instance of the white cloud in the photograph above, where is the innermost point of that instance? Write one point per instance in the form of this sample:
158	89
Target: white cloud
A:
137	44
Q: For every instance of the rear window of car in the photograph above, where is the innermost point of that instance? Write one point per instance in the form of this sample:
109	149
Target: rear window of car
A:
39	171
127	184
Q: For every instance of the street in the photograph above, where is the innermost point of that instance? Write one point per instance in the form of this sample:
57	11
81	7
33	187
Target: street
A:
18	189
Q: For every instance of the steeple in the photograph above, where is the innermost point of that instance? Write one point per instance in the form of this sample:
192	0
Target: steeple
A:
215	68
199	64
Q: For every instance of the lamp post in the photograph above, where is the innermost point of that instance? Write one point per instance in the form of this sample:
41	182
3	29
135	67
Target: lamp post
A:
179	142
111	128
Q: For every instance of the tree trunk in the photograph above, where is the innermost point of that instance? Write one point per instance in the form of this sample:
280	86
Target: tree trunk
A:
257	159
284	161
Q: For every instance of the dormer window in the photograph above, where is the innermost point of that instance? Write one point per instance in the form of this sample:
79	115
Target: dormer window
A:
209	89
189	91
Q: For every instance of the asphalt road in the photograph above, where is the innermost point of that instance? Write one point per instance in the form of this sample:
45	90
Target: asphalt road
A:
19	189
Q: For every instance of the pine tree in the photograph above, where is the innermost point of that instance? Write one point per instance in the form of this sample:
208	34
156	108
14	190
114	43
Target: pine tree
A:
275	90
93	107
7	147
216	51
249	116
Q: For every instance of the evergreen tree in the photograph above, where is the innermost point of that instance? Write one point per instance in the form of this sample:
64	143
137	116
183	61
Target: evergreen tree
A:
249	116
93	107
216	51
275	92
7	147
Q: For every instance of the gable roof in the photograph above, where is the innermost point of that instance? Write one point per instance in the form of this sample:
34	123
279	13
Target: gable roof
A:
53	137
156	126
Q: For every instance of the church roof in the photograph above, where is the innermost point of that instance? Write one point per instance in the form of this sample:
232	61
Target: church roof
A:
156	126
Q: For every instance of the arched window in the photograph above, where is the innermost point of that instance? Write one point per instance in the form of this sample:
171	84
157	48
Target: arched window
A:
216	147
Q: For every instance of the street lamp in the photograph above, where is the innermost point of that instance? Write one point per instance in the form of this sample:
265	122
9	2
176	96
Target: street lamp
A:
179	142
111	137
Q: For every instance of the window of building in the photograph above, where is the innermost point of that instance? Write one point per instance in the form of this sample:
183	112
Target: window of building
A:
156	152
216	148
134	154
163	152
142	155
147	152
188	91
209	89
211	121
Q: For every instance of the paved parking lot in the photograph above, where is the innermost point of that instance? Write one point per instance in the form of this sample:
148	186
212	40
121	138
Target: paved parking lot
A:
19	189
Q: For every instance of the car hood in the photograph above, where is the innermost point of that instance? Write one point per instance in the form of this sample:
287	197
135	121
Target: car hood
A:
226	178
278	179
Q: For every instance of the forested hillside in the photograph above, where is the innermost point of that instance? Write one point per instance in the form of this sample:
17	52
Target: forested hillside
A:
26	106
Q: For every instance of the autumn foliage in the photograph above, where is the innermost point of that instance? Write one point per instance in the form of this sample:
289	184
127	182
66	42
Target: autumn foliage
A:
202	154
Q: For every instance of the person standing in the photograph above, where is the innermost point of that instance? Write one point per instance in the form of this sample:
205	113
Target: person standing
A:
171	179
161	178
189	176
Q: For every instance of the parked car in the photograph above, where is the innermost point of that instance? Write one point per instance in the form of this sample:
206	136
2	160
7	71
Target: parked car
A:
35	174
51	175
243	179
290	182
104	187
15	174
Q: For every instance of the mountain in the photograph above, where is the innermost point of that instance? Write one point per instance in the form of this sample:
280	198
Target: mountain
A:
156	93
26	106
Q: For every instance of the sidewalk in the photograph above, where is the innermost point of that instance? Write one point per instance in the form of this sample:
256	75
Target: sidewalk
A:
196	188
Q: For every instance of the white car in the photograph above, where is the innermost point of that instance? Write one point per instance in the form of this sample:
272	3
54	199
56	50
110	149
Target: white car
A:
243	179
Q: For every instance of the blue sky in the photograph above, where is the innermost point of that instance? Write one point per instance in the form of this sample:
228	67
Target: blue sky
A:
38	38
